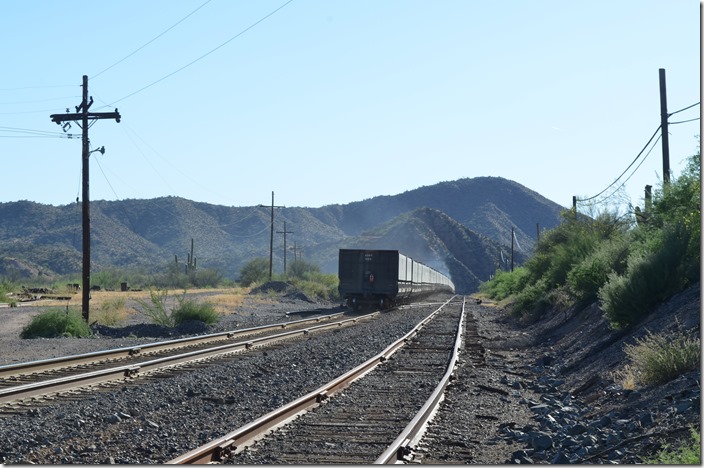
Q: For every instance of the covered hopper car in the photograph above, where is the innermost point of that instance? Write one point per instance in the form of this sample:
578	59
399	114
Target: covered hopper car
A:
385	278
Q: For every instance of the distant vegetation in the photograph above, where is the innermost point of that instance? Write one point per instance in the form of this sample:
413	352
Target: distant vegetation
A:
628	267
462	225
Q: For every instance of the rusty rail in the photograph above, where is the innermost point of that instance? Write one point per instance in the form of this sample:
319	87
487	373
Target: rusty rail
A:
131	371
401	448
235	441
25	368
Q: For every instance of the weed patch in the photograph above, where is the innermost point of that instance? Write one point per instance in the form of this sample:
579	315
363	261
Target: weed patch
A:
657	359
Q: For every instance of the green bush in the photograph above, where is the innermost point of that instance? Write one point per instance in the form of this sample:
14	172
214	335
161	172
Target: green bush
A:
186	309
57	322
657	359
5	288
505	283
255	271
687	454
189	309
588	276
155	309
651	276
531	301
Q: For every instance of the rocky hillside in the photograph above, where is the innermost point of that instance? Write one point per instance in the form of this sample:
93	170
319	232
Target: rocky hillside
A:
461	227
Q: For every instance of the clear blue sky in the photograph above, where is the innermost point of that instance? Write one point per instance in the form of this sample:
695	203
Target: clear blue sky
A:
337	101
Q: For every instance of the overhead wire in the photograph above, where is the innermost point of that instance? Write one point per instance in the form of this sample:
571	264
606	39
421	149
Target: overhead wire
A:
29	133
202	56
626	170
154	39
21	88
125	127
684	109
639	164
683	121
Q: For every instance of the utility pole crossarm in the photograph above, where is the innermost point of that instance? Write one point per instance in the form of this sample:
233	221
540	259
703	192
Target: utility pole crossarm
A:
59	118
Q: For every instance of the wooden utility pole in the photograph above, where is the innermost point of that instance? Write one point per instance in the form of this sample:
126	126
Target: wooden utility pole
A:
512	236
284	232
83	116
295	249
663	127
271	239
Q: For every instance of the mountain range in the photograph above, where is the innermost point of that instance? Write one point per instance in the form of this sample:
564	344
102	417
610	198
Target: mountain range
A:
462	227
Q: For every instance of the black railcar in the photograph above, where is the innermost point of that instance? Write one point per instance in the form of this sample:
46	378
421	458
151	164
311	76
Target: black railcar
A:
385	278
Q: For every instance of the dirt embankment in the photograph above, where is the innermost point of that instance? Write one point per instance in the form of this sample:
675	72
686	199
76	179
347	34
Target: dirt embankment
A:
575	361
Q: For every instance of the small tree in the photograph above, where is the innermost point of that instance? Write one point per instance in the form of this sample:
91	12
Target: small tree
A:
302	269
254	271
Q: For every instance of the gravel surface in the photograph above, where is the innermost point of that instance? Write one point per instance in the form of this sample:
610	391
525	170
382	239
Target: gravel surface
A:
544	393
152	420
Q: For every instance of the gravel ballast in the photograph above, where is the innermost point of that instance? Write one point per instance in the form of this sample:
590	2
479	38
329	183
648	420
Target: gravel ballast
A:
542	393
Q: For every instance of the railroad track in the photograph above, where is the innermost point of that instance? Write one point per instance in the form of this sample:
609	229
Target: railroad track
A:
24	381
376	420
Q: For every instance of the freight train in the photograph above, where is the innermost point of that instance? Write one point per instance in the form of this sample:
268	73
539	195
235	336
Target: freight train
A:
385	278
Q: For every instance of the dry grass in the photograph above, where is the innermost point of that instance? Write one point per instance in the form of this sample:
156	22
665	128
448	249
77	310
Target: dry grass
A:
114	307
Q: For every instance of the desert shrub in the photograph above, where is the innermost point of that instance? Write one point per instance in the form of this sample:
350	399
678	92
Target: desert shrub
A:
531	301
302	269
308	278
155	308
679	204
588	276
184	310
651	276
505	283
5	288
189	309
567	245
689	453
321	286
255	271
57	322
206	278
657	359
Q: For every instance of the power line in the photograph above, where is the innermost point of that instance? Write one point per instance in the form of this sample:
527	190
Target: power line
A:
637	167
684	109
39	100
28	130
684	121
157	37
629	166
202	56
29	133
38	87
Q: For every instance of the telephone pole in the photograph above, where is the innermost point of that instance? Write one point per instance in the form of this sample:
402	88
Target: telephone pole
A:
271	239
512	237
284	232
296	251
83	116
665	135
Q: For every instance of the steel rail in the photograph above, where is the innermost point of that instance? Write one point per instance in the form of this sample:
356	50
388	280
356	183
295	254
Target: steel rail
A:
34	367
235	441
130	371
401	448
